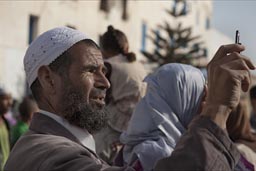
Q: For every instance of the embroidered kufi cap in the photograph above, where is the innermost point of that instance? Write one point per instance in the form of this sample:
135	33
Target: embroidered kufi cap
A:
47	47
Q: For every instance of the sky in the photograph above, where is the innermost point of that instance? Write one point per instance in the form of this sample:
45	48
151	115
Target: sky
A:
232	15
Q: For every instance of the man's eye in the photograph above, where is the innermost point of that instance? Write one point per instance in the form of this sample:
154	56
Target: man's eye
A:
104	72
92	70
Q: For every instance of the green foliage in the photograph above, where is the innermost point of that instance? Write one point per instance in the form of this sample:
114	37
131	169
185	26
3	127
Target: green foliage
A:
175	43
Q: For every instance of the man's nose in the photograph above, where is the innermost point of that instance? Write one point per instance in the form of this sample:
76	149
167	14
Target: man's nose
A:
102	81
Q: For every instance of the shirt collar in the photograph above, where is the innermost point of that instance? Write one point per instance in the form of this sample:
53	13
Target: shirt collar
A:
84	137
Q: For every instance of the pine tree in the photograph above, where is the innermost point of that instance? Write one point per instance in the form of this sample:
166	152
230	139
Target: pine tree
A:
175	44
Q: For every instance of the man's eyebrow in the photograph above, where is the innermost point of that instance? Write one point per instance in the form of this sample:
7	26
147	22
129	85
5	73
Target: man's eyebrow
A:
88	66
94	66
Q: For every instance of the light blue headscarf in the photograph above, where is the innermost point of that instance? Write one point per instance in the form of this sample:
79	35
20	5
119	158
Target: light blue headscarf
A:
161	117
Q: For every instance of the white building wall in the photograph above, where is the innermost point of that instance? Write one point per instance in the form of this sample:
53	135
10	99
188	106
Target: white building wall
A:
87	17
216	39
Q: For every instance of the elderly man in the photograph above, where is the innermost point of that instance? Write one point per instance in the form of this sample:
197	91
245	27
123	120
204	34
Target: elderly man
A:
66	74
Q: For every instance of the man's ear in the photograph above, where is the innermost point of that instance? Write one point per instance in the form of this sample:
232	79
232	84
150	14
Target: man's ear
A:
46	79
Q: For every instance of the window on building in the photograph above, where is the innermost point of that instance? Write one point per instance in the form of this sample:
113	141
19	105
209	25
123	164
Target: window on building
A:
174	6
33	28
143	37
185	8
208	23
205	52
179	9
157	40
125	13
104	5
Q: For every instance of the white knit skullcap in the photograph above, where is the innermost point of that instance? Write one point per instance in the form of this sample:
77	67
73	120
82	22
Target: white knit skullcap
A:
47	47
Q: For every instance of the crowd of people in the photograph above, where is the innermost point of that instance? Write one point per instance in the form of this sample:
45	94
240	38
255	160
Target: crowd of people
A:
96	108
11	126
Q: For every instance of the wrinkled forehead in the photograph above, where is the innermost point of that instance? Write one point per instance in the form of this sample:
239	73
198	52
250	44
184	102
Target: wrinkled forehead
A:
94	55
83	54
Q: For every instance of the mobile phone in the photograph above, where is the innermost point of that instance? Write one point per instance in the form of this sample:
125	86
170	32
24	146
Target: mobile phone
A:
237	39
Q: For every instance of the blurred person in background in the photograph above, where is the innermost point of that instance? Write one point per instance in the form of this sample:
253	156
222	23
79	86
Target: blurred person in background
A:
27	108
126	76
253	104
5	106
240	131
10	115
175	94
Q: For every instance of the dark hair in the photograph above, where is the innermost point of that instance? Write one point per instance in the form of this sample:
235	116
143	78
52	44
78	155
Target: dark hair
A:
26	107
61	66
253	92
115	41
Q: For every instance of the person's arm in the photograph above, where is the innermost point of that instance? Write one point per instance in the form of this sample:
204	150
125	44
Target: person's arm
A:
206	145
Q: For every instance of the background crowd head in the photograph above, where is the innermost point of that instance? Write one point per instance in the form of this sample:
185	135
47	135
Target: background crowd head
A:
5	101
27	108
114	42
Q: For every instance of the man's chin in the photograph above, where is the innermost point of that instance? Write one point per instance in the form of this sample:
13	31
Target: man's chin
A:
92	117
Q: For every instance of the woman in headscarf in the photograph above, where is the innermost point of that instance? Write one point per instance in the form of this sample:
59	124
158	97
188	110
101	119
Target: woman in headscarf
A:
127	88
175	93
240	131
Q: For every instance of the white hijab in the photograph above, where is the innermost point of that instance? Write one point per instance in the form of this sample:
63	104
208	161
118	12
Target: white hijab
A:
161	117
